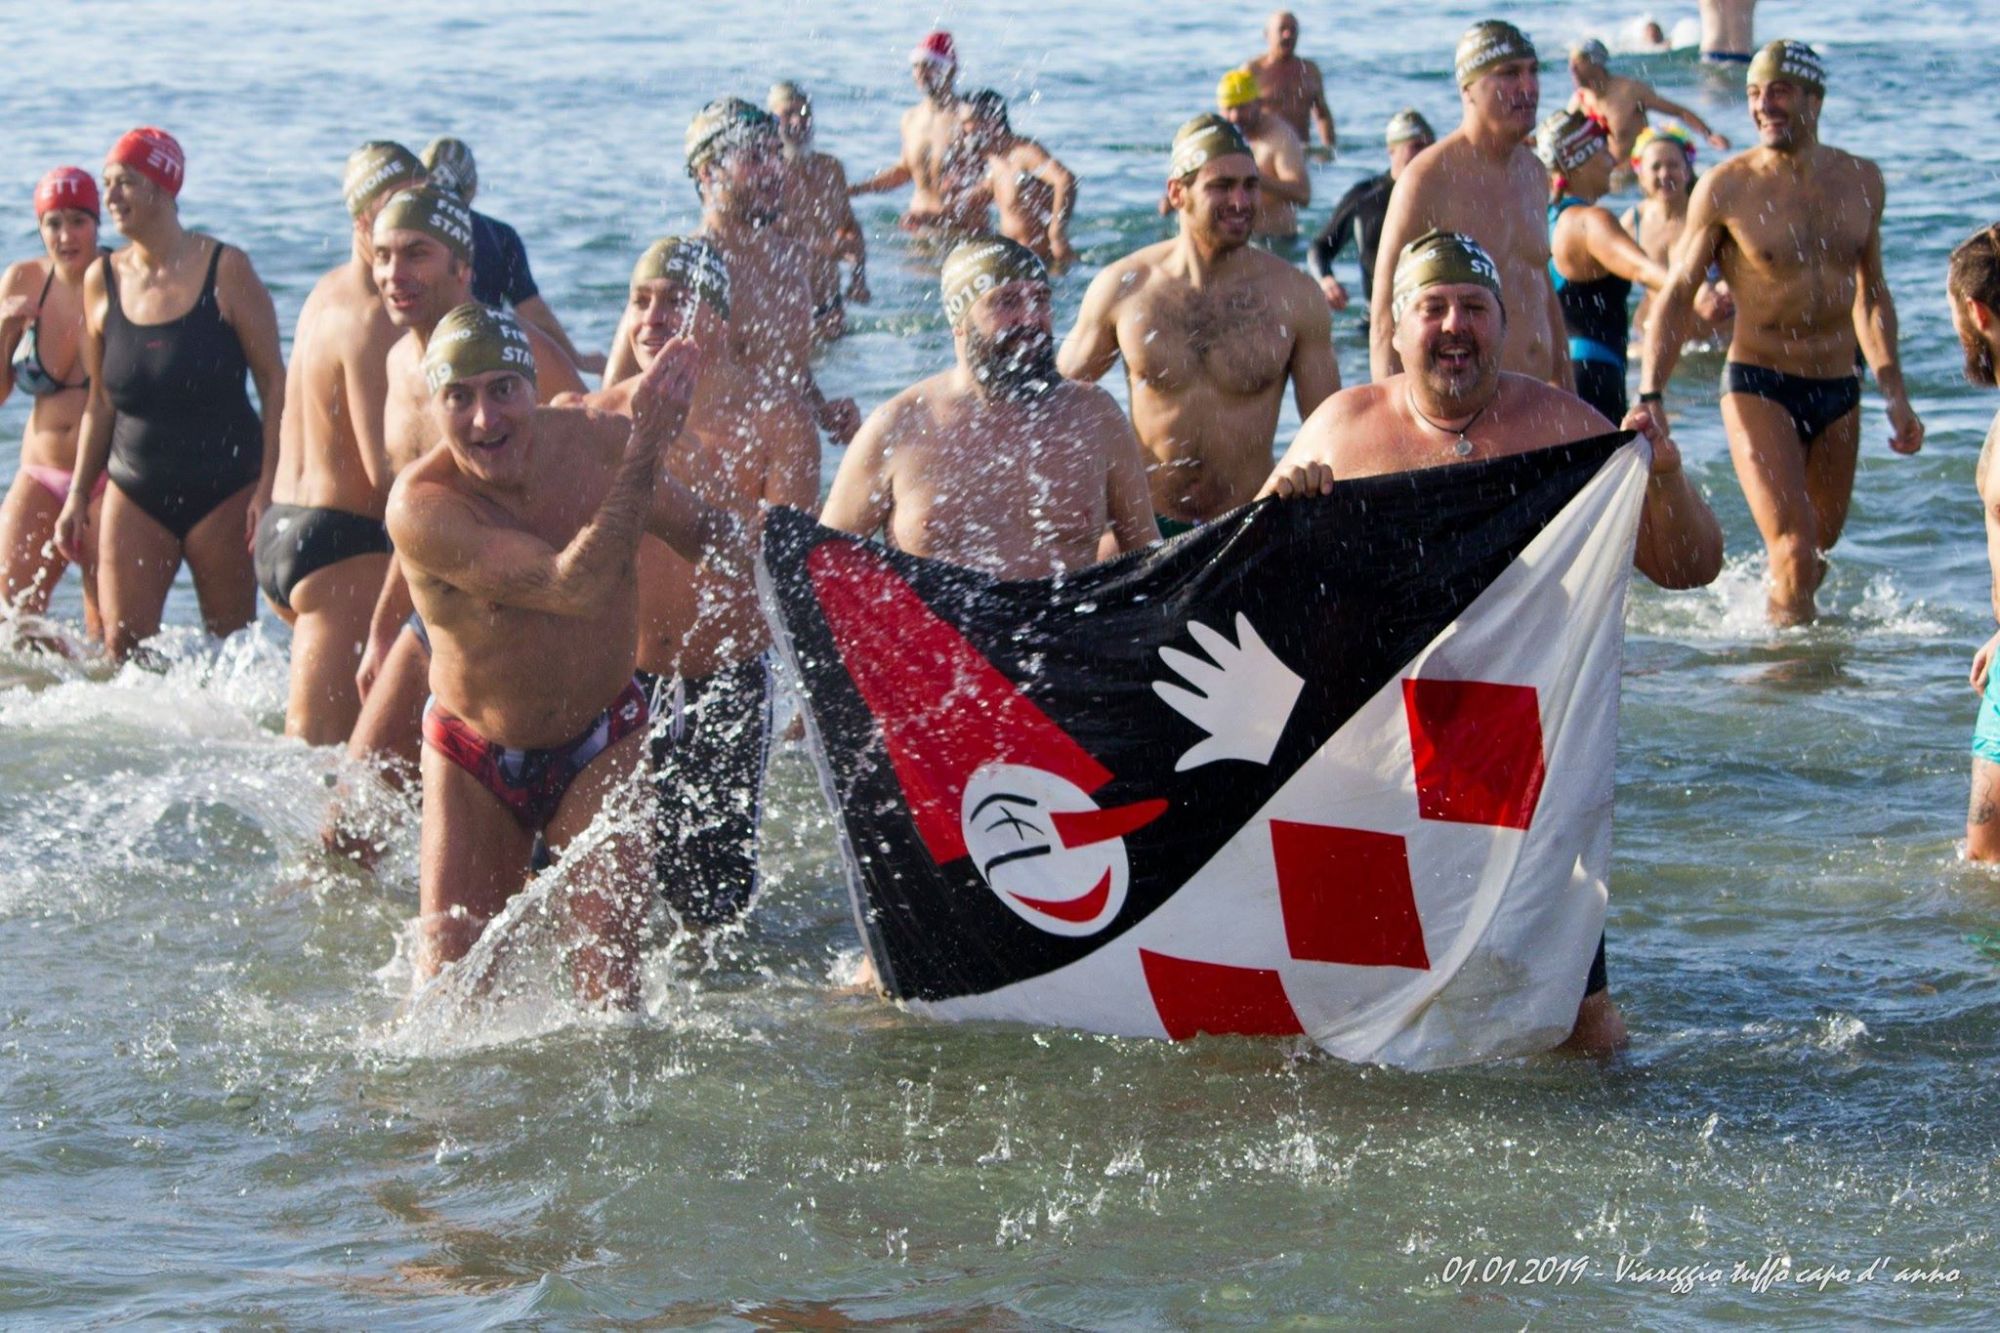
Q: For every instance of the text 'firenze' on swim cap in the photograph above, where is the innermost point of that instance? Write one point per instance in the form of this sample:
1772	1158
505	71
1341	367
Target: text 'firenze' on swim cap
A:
1441	258
1793	61
374	169
475	340
1493	42
450	164
725	123
692	263
1238	88
66	187
154	154
976	267
1202	140
1406	125
441	216
1565	140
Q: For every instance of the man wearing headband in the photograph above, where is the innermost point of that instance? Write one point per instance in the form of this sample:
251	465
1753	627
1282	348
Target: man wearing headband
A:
931	134
1210	328
321	548
999	463
1796	228
703	642
1726	31
500	272
816	215
1033	193
1362	210
1453	403
519	533
1482	180
1292	87
1283	187
1621	102
1972	286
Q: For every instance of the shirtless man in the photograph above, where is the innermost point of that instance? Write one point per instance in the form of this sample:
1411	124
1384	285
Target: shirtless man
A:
1972	285
998	464
1482	180
702	638
1292	87
737	161
1796	227
1210	329
1283	187
1726	28
1621	102
933	163
1035	193
816	213
1453	403
519	533
321	549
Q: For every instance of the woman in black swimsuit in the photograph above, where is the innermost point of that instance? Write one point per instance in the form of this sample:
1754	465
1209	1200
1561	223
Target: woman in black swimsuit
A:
175	319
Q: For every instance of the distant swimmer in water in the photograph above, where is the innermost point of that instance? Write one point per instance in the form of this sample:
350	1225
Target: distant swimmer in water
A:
1972	285
1664	163
500	272
1362	210
1210	328
1483	181
817	214
519	534
1283	187
1727	28
1033	192
932	130
41	346
1292	87
175	321
703	642
321	547
1452	403
1621	101
999	463
1592	262
1796	228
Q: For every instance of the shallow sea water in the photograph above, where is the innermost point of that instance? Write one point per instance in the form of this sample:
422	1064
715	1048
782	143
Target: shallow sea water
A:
211	1111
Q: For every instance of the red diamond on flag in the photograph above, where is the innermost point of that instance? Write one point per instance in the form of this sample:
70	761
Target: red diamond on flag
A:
1477	747
1346	896
1194	997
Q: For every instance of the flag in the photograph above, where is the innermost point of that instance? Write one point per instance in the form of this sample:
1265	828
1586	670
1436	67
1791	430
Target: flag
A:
1337	767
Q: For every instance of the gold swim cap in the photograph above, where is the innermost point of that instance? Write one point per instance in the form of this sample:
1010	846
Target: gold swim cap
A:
1493	42
372	169
1406	125
976	267
1201	139
1792	61
691	262
1440	257
441	216
725	123
474	340
1238	88
450	164
1567	139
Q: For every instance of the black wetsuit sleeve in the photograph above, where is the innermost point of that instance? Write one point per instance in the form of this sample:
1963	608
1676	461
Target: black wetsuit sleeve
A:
519	280
1339	230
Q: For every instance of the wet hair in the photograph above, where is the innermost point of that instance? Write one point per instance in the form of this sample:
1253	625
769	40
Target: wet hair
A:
1974	269
987	104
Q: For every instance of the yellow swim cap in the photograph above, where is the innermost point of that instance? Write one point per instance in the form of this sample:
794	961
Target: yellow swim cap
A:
1238	88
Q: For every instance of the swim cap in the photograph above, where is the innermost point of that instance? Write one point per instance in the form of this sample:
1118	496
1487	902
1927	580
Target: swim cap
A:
473	340
986	104
725	123
1438	257
1566	140
66	187
1238	88
1672	134
449	161
691	262
1790	60
1201	139
976	267
786	96
437	214
154	154
1593	51
1493	42
935	49
372	169
1406	125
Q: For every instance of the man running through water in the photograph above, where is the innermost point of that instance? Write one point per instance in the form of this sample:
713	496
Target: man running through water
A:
1292	87
1972	284
518	533
1483	181
1363	209
932	131
815	213
1621	102
1796	227
1453	403
1210	329
1033	192
321	549
1283	187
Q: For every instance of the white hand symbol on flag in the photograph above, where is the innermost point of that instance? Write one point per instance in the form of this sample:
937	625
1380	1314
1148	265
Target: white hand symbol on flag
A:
1242	697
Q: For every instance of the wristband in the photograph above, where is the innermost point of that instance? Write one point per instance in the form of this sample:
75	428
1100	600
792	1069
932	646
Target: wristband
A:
1652	396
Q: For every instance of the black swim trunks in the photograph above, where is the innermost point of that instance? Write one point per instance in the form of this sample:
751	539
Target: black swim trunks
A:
296	540
1813	404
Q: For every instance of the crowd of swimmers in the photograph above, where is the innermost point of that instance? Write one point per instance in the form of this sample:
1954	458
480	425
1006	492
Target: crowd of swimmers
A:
520	590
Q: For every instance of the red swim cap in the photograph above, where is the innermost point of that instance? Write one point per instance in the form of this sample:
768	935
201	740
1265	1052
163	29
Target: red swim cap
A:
154	154
66	187
935	49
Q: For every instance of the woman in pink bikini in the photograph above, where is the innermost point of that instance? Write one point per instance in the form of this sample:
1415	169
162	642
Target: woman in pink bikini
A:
41	345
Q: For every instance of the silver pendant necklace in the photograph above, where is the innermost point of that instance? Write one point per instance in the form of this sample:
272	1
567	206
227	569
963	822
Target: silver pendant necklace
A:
1463	447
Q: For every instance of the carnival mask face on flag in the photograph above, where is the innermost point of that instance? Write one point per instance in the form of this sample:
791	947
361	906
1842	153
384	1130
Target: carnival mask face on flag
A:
1336	767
